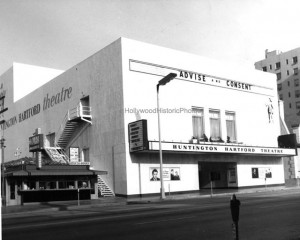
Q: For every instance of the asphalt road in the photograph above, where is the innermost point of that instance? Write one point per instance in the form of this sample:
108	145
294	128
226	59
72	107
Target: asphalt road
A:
272	215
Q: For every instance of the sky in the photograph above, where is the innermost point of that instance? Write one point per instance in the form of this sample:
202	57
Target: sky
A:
61	33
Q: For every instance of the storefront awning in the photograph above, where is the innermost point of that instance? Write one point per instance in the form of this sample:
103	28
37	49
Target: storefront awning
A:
223	148
65	173
19	173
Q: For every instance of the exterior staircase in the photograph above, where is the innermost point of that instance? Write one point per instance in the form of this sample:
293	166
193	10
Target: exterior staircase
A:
103	189
57	155
71	122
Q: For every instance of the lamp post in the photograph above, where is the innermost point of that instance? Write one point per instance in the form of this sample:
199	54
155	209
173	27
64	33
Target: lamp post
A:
3	195
162	82
2	122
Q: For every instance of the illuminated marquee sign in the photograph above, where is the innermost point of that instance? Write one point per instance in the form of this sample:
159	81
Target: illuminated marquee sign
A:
36	143
211	148
154	69
137	136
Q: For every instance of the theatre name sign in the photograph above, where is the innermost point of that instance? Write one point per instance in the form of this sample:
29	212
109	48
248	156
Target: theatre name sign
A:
212	148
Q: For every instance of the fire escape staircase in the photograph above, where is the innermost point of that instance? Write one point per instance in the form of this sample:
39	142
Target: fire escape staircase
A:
75	119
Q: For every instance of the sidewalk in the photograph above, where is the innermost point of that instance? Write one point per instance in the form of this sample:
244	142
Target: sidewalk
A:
110	201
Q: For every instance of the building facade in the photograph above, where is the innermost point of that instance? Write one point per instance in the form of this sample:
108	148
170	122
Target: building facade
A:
219	124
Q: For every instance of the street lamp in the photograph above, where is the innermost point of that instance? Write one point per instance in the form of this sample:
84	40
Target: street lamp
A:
162	82
3	195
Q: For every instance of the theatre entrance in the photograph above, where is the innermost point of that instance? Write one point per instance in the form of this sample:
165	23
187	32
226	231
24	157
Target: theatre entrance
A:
217	175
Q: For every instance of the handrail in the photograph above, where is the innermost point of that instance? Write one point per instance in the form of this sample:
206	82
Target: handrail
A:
63	152
78	111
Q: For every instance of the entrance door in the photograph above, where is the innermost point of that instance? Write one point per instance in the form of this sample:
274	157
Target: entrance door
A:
85	155
215	174
231	176
85	104
50	140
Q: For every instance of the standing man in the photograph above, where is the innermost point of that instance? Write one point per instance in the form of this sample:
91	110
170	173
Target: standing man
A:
235	212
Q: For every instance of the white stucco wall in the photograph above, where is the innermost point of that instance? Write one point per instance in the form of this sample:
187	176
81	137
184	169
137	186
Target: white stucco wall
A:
245	173
253	126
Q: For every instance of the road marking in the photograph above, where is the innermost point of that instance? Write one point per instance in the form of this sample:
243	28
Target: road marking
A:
165	220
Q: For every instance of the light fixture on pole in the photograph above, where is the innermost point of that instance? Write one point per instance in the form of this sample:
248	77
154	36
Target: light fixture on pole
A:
2	140
162	82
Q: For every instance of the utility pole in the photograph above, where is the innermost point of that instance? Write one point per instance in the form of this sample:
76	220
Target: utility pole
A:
3	195
2	146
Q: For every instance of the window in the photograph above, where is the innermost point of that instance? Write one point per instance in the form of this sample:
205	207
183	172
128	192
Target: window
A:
287	72
287	61
62	185
295	71
298	105
280	96
70	184
83	184
290	105
289	94
47	185
296	82
270	66
198	123
66	184
279	86
230	126
42	185
277	65
50	185
215	128
264	69
295	60
278	76
288	82
30	185
297	93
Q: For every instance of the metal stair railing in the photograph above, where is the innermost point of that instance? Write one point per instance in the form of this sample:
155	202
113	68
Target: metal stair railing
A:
62	152
103	189
57	155
78	112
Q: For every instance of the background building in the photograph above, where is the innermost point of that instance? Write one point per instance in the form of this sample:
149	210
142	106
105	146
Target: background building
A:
219	123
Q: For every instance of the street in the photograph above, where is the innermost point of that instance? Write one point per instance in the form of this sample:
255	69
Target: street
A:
266	215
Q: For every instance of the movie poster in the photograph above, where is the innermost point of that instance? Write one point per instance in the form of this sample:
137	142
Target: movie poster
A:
262	172
169	174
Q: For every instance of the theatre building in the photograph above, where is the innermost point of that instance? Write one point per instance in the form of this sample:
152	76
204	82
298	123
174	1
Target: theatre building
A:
94	127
